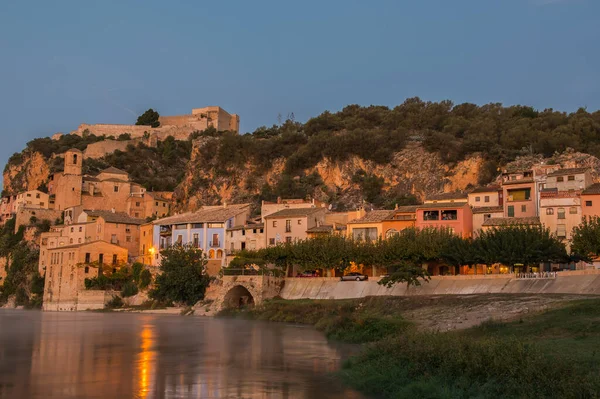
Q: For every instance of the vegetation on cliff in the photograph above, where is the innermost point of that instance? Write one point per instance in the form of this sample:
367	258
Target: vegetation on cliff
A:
23	281
549	355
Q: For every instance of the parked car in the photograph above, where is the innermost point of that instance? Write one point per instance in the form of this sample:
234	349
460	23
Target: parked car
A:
354	276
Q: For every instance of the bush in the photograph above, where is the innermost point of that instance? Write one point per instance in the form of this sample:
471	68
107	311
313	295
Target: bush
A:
129	289
145	278
136	269
115	303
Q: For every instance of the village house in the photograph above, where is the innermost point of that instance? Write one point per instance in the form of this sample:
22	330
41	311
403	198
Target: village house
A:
60	236
483	213
560	212
70	265
117	228
381	223
519	191
147	249
289	225
485	197
569	179
456	196
146	204
590	201
455	216
267	208
205	228
34	199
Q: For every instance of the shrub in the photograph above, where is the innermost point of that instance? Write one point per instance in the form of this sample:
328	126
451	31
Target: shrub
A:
129	289
115	303
145	278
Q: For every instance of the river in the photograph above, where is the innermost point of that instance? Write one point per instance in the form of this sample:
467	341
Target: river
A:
113	355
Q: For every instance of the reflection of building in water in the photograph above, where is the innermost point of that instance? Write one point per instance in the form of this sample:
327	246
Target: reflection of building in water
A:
146	362
83	355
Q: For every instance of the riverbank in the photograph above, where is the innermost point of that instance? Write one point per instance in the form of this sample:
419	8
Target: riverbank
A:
547	347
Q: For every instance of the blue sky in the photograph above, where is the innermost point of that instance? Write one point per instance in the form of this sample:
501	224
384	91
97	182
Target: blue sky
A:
63	63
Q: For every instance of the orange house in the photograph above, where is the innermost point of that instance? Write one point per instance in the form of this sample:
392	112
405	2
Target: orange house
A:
457	217
401	218
590	201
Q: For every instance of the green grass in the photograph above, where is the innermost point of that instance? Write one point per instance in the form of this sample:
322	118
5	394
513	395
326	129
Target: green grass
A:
554	354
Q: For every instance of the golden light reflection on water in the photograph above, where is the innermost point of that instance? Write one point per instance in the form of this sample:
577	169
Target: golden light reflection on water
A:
145	360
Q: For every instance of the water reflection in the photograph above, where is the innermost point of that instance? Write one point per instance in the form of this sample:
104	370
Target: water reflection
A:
94	355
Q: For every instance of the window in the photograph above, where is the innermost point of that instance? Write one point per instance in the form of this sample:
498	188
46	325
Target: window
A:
588	203
137	214
431	215
477	199
137	204
70	241
197	225
243	232
86	269
550	211
196	240
288	239
37	195
101	259
215	240
271	241
450	215
164	204
80	229
87	257
521	194
561	230
232	247
486	198
114	262
156	203
127	238
299	221
487	216
116	188
573	210
127	229
181	227
560	179
274	223
113	239
79	240
511	211
523	208
366	233
288	226
561	213
28	195
215	225
41	204
179	239
74	159
571	178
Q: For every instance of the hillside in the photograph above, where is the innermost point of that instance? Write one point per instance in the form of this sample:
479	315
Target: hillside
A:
374	154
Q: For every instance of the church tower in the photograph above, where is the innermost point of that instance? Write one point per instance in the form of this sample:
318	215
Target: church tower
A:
73	162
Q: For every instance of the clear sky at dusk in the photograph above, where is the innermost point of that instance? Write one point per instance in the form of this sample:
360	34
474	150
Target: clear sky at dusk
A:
63	63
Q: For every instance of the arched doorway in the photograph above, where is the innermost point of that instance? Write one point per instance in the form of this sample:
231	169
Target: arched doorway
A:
238	297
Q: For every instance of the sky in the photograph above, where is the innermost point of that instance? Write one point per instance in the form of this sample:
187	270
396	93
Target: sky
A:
63	63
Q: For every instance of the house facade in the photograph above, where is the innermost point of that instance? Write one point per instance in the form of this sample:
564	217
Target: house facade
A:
457	217
290	225
117	228
519	191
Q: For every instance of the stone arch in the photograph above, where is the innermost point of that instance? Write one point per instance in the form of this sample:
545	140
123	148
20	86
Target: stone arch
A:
211	254
237	297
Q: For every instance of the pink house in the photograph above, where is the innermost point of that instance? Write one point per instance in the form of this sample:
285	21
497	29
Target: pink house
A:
457	217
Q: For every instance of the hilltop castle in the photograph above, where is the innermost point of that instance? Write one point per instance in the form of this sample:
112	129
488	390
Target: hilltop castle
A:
178	126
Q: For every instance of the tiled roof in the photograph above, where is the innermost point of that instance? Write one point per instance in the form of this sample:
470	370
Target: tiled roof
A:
374	217
84	244
248	227
158	195
114	217
488	189
205	215
293	212
442	205
114	171
568	171
593	189
487	209
406	209
526	221
326	228
447	196
518	181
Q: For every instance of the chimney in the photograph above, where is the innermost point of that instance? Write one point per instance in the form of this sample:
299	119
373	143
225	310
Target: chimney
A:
396	207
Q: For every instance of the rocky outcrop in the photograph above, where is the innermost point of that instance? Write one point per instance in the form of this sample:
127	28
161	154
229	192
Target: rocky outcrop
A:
30	173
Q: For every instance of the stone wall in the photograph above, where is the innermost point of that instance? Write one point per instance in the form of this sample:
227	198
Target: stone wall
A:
576	282
24	215
259	288
92	299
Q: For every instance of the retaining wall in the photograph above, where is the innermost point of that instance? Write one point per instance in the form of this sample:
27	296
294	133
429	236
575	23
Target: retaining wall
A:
576	282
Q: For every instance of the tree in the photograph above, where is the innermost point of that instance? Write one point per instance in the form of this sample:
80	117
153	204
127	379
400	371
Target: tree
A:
148	118
585	240
183	276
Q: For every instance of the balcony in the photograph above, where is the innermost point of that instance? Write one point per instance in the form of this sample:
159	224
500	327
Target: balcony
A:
215	244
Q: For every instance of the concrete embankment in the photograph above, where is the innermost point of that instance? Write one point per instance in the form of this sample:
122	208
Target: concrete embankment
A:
568	282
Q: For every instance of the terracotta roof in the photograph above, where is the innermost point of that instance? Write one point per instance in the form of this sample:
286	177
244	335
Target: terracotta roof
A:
114	217
568	171
205	215
113	170
487	209
293	212
407	209
488	189
447	196
326	228
248	226
159	195
84	244
518	181
526	221
443	205
593	189
374	217
116	180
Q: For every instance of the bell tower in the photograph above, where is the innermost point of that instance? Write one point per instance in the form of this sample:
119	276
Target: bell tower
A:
73	162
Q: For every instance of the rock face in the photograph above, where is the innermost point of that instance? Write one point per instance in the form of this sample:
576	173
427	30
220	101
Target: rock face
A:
29	174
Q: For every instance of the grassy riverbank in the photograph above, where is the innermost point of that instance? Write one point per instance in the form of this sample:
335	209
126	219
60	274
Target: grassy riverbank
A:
554	353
